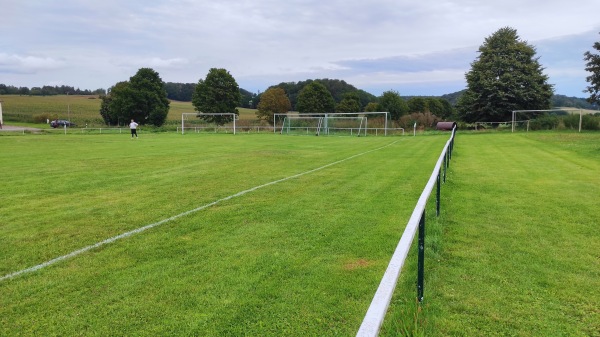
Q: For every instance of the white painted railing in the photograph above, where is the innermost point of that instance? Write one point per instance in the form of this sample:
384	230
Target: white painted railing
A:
376	313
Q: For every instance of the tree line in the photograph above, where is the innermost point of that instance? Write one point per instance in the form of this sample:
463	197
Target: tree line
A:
47	90
506	76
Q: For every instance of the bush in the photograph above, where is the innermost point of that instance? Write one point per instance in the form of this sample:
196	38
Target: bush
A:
588	122
427	120
44	118
547	122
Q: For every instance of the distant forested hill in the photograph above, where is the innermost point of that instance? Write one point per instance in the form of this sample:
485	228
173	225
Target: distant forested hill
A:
557	101
184	91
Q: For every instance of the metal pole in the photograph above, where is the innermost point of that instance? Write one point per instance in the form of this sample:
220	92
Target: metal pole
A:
445	164
580	119
386	124
421	264
513	121
437	198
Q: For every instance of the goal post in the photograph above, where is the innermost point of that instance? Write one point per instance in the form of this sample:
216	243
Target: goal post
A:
359	123
301	124
348	125
515	112
207	122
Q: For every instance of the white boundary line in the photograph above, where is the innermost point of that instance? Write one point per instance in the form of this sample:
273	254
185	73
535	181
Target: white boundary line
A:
141	229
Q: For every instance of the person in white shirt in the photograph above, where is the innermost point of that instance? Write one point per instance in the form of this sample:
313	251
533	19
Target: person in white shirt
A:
133	127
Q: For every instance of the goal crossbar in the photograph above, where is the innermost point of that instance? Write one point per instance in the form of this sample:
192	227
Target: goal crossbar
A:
385	114
514	114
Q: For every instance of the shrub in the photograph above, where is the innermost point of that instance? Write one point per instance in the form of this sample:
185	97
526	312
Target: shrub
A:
43	118
547	122
427	120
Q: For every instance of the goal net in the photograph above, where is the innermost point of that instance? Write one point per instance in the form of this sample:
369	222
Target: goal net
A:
532	114
344	125
207	122
351	124
302	125
325	125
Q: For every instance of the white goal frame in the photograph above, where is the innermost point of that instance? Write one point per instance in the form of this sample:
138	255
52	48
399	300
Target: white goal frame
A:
323	124
514	115
330	115
285	126
199	114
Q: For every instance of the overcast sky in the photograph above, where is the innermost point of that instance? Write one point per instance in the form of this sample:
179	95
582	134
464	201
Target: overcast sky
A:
414	47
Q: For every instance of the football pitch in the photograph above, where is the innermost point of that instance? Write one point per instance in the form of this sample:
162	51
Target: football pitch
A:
271	235
226	235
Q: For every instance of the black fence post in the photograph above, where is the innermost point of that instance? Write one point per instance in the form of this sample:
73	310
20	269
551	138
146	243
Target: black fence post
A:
437	196
421	263
445	164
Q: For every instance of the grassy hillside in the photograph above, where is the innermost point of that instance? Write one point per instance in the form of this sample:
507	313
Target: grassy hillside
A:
80	109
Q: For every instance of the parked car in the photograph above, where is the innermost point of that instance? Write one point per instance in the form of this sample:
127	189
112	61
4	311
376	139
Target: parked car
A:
61	123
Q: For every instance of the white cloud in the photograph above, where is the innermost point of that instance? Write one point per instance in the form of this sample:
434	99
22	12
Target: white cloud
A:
151	62
263	42
19	64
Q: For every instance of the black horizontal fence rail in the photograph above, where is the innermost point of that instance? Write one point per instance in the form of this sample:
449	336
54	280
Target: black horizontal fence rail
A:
376	313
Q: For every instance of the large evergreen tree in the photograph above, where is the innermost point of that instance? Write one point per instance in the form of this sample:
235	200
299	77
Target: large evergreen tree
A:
218	93
506	76
593	66
142	98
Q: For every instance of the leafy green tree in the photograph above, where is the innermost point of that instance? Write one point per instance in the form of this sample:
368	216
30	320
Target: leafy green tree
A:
248	99
391	102
150	103
417	104
142	98
506	76
114	108
434	106
447	109
273	101
372	107
337	88
315	98
593	66
180	91
350	103
218	93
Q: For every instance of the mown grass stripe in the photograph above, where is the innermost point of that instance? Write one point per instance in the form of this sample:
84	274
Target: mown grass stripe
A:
144	228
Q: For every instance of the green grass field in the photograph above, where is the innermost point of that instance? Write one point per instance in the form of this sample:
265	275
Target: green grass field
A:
301	257
514	252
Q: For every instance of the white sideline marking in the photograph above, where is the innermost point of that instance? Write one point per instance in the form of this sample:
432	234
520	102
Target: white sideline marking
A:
141	229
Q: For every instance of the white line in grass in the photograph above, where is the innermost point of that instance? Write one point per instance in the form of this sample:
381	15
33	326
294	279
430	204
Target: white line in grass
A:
141	229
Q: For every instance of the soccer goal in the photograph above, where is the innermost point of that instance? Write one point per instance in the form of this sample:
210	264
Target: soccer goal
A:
344	125
528	113
301	125
208	122
352	124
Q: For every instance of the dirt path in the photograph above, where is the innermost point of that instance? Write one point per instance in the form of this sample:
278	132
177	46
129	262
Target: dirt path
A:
17	128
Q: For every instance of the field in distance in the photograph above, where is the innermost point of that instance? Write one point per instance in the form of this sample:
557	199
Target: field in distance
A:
83	109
